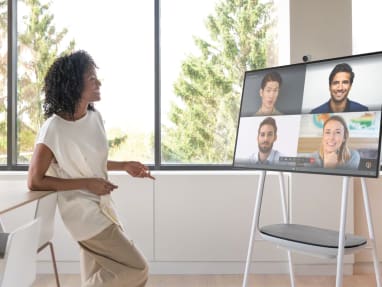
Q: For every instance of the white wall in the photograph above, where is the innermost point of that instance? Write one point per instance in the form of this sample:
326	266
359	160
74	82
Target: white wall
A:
366	26
364	41
199	222
364	259
322	29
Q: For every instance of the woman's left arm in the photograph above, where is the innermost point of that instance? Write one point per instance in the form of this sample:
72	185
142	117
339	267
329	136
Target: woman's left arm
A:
134	168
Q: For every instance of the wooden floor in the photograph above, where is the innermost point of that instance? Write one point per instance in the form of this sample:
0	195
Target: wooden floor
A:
224	281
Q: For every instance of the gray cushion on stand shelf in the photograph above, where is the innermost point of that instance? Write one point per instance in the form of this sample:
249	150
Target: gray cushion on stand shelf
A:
311	235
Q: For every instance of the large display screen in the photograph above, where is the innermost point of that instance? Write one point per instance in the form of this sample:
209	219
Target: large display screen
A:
316	117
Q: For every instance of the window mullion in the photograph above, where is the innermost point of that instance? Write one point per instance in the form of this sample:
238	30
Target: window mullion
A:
12	85
157	87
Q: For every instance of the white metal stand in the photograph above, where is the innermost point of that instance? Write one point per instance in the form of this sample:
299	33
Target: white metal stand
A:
371	231
341	233
255	224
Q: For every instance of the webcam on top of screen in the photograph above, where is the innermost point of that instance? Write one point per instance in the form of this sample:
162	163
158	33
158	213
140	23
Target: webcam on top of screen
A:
306	58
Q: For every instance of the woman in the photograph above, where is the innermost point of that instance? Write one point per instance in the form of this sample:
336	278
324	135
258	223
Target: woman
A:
334	151
70	157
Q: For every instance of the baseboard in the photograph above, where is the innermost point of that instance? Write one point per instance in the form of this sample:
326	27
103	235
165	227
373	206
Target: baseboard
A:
63	267
73	267
365	267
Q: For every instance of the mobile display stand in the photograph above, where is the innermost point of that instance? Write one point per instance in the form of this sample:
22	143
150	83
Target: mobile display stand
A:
309	239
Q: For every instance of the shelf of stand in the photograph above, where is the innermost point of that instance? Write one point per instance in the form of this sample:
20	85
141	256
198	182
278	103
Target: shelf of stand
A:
310	239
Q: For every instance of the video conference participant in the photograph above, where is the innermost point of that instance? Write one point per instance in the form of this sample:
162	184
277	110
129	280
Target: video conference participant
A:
334	151
340	83
266	136
269	92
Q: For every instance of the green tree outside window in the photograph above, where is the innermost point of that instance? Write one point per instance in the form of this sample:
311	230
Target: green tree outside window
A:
203	129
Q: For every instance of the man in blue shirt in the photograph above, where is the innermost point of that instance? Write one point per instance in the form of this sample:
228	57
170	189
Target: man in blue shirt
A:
340	82
267	135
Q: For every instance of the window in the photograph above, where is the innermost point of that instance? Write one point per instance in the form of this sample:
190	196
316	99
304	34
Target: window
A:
366	24
206	46
3	81
366	42
145	61
120	39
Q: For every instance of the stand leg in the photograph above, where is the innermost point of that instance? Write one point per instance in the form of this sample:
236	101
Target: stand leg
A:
254	227
291	272
371	231
286	221
1	226
341	237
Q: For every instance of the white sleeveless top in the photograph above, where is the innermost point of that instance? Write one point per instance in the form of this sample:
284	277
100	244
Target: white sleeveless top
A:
80	149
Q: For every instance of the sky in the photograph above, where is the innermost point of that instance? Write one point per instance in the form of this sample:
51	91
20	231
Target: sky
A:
120	37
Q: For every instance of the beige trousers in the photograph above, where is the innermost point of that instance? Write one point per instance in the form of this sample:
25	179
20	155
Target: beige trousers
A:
110	259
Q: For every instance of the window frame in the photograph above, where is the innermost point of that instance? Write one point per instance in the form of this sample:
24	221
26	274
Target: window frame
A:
12	100
12	90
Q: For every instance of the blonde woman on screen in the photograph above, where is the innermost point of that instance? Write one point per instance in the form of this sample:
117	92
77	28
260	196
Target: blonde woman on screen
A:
334	151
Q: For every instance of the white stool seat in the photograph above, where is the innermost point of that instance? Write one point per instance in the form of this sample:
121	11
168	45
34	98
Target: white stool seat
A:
18	265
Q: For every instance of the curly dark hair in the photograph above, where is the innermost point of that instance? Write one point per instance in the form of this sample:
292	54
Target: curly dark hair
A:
64	83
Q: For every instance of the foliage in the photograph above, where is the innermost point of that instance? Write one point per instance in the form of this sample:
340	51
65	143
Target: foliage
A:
209	85
117	141
3	73
38	45
130	147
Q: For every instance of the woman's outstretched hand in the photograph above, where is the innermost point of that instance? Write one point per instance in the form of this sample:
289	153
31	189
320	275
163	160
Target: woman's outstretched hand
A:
137	169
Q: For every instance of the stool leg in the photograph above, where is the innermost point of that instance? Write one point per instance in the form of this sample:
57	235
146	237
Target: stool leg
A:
53	260
54	263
